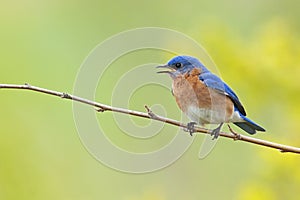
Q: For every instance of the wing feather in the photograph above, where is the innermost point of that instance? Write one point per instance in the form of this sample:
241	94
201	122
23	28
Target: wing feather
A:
213	81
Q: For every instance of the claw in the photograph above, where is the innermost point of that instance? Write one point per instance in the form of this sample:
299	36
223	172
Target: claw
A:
216	132
190	127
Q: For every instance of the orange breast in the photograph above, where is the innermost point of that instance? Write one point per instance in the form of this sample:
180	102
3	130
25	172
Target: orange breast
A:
189	91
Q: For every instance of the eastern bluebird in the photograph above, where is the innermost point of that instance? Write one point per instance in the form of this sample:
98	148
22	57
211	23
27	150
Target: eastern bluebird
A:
204	97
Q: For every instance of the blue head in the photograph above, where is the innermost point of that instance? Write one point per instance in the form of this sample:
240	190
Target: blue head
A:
181	65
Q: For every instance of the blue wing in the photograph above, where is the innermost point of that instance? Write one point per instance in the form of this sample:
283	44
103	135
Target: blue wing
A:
212	81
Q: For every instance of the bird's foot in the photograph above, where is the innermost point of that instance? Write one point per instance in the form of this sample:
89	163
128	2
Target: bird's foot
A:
236	135
216	132
190	127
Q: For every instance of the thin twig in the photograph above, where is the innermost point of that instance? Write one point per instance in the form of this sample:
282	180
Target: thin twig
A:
236	135
150	115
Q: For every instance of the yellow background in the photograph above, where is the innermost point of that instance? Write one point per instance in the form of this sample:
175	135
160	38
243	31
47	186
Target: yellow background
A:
256	46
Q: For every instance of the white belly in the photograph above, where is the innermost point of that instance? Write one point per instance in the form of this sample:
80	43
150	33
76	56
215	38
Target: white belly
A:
211	116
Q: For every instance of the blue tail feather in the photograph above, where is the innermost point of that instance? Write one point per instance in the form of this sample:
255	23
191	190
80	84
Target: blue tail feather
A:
249	126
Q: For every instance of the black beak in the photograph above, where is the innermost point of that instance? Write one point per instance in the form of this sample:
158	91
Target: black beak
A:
170	69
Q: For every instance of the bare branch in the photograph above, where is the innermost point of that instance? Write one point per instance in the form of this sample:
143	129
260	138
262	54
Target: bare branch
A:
150	115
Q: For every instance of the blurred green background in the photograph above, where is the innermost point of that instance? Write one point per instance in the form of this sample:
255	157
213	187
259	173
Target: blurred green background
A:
255	44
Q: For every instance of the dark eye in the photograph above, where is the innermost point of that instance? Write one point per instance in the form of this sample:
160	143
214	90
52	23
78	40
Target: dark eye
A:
178	65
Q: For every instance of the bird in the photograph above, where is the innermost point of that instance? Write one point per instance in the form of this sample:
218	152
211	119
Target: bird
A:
204	97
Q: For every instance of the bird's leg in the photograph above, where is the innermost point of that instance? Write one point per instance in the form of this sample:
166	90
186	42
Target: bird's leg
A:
236	135
216	132
190	127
